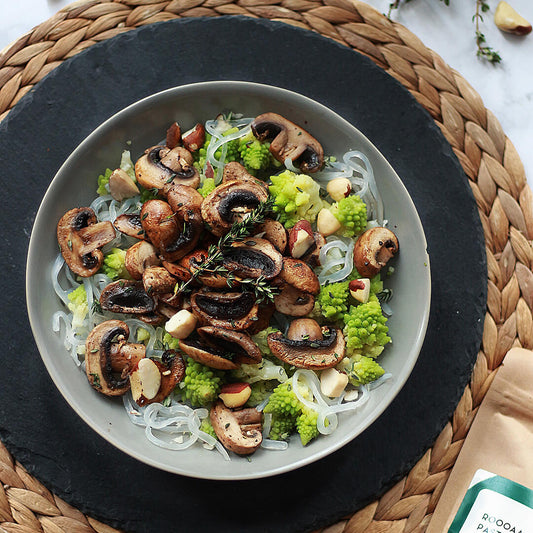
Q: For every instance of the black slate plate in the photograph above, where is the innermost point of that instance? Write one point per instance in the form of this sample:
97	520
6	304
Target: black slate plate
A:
70	459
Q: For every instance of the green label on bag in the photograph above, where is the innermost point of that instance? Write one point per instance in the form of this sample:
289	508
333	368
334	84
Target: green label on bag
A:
494	504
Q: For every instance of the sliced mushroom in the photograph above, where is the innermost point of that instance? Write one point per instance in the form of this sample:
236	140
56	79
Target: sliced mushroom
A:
130	225
231	310
161	166
80	237
103	344
239	431
178	271
139	257
253	258
300	275
274	232
207	354
173	234
373	249
289	140
158	280
126	297
239	344
293	302
192	262
315	354
231	202
305	329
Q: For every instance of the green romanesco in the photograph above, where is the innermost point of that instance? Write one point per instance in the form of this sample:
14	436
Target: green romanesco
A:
297	197
147	194
207	427
255	155
361	369
208	186
306	425
103	181
288	412
351	213
78	305
333	300
201	384
261	390
113	265
281	427
170	341
365	329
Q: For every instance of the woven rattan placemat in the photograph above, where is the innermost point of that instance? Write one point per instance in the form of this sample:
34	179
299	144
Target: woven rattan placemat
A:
489	159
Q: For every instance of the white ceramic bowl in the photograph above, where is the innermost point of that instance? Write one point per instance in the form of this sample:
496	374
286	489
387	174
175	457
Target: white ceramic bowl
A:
143	124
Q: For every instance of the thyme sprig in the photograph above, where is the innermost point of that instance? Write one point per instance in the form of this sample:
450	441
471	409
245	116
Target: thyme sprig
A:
483	50
212	264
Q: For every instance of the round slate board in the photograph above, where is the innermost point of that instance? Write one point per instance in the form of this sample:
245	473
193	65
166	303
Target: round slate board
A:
48	438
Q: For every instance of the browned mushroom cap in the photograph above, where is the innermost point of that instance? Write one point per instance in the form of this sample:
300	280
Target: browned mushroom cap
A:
178	271
231	202
313	354
172	369
101	347
293	302
300	275
173	234
239	431
237	343
160	166
158	280
207	354
139	257
231	310
234	171
289	140
126	297
130	225
182	197
274	232
373	249
253	258
80	237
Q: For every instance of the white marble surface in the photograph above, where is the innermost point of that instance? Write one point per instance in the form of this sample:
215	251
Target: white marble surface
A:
506	89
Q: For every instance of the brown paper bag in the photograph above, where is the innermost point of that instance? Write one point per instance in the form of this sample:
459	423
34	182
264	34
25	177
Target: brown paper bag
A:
500	439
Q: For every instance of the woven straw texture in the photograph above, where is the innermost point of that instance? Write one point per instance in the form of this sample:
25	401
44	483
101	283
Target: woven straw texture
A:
488	157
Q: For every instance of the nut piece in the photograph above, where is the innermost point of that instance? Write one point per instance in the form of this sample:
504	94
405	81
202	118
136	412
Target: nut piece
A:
235	394
360	289
333	382
121	186
339	188
301	238
145	380
327	223
195	138
181	325
508	20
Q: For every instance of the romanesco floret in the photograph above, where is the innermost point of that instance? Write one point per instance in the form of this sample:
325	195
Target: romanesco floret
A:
201	384
78	305
364	370
288	412
170	341
113	265
207	427
306	425
351	213
297	197
255	155
208	186
333	300
103	181
281	427
365	329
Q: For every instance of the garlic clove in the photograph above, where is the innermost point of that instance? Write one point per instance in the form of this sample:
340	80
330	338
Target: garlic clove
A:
508	20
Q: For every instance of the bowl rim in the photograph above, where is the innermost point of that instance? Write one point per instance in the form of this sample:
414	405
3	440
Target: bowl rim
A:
71	399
